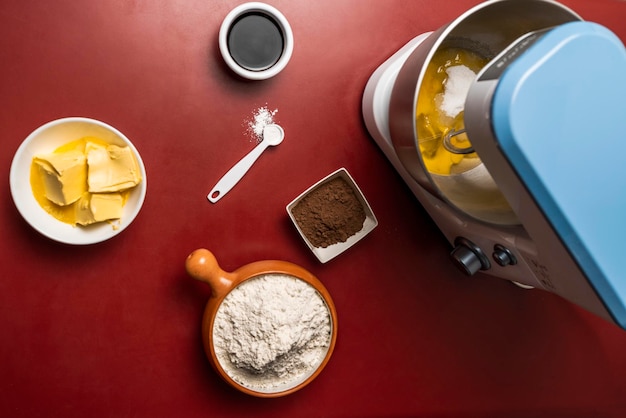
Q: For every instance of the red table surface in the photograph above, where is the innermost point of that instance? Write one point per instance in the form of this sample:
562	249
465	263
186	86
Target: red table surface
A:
113	329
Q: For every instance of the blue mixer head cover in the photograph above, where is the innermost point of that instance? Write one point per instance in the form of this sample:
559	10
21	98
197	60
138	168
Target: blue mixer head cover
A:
557	115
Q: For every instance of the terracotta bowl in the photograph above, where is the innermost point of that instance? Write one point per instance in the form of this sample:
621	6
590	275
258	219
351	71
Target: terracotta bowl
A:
202	265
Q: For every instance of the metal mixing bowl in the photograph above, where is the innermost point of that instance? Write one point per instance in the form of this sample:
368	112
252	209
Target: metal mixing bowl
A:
486	30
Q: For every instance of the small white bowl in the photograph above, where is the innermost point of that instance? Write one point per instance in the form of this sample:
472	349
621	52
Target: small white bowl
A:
46	139
332	251
272	14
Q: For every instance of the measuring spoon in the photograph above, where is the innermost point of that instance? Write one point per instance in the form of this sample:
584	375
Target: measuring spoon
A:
272	135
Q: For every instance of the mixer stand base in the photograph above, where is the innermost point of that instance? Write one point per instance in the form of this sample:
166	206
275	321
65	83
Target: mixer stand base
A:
375	106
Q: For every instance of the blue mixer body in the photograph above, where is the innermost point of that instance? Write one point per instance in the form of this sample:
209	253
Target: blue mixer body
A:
556	116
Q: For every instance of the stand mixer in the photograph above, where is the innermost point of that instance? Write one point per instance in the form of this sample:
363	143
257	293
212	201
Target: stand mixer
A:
544	207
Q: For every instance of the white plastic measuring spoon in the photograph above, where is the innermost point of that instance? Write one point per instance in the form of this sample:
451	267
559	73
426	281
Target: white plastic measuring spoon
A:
272	135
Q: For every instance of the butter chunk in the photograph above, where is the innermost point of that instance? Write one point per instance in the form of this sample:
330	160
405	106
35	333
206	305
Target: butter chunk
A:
111	168
64	176
98	207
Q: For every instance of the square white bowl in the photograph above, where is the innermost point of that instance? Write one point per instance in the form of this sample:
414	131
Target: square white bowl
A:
332	251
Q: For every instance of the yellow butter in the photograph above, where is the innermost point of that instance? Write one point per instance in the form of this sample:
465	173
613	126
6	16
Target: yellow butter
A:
56	179
432	124
64	176
110	168
99	207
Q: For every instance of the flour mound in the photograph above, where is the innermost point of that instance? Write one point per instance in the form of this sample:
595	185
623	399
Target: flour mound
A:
271	330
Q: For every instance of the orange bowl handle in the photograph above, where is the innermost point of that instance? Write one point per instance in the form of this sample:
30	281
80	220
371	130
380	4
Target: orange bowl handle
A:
202	265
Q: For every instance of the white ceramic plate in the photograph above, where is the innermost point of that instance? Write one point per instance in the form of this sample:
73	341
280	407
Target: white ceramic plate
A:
46	139
332	251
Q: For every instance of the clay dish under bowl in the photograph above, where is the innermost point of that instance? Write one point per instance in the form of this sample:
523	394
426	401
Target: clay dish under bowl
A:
332	251
202	265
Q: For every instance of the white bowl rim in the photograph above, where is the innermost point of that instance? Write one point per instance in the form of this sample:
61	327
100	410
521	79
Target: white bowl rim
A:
43	222
278	17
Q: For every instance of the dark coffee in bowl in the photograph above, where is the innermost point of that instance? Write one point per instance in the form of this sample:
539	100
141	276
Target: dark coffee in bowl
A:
255	41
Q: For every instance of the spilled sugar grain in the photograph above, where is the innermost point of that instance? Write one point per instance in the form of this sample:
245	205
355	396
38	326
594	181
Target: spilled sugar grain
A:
261	117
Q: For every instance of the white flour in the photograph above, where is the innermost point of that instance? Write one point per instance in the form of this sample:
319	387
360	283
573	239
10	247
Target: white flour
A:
456	87
260	119
271	332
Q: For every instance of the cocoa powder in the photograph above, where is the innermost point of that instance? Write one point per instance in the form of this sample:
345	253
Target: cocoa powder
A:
330	214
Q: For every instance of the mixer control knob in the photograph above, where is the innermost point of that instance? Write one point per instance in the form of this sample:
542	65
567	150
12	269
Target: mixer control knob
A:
503	256
468	257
